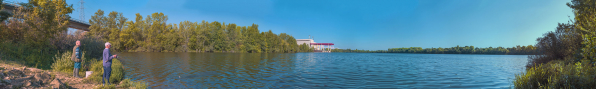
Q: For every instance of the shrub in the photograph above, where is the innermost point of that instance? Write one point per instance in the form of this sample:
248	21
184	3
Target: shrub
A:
24	54
558	74
129	84
92	46
62	62
97	68
562	44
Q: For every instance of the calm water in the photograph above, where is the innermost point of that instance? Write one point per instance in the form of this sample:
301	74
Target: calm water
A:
323	70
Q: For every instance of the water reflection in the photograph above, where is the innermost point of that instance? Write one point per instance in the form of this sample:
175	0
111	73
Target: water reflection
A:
322	70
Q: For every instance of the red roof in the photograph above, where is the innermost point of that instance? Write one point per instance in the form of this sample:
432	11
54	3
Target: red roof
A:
322	44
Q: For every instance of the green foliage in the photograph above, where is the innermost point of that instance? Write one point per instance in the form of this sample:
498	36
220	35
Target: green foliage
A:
589	51
557	75
560	65
43	21
562	44
97	68
63	63
306	48
129	84
585	24
42	57
21	53
91	47
153	34
35	33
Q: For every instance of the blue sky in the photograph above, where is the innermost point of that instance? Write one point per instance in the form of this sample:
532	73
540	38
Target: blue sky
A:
367	24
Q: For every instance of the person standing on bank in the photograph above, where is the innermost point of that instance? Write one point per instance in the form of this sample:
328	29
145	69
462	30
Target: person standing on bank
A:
107	63
76	57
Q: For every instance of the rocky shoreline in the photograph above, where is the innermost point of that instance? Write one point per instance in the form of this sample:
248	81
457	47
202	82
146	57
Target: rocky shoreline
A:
32	78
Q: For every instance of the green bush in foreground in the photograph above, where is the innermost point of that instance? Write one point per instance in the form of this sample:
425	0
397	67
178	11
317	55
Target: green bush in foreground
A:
62	62
127	83
97	68
557	74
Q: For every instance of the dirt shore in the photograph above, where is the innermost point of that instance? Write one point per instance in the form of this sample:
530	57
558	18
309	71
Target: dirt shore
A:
18	76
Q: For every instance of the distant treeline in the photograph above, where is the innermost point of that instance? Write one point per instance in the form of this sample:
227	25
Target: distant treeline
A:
518	50
153	34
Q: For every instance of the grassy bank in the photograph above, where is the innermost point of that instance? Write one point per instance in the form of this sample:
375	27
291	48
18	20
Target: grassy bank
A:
558	74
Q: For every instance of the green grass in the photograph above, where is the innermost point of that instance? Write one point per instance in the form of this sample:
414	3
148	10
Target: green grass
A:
558	74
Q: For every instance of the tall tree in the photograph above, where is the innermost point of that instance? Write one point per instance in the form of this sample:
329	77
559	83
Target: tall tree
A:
46	19
585	23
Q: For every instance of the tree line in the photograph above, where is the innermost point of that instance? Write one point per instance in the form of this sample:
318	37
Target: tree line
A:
518	50
153	34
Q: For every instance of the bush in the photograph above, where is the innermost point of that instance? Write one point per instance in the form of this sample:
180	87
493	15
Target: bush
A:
97	68
558	74
62	62
562	44
92	46
129	84
24	54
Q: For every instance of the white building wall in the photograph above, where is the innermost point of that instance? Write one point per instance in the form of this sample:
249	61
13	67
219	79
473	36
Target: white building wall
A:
302	41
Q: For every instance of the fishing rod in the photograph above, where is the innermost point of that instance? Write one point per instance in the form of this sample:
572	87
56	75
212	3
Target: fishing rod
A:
122	59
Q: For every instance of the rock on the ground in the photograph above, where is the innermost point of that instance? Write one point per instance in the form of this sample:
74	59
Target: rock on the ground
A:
15	78
15	73
35	70
31	83
56	83
33	78
43	77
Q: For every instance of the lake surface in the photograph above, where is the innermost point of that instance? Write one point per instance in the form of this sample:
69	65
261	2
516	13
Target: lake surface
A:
323	70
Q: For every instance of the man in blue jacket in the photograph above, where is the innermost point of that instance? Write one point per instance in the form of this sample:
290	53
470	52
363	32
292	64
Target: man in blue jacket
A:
107	63
76	57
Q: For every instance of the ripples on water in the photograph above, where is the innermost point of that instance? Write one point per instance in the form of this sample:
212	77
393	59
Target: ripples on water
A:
322	70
